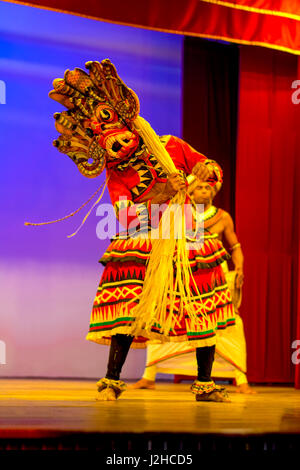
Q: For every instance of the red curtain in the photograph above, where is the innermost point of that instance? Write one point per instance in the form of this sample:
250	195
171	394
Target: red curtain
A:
297	268
210	101
297	336
267	6
267	210
269	23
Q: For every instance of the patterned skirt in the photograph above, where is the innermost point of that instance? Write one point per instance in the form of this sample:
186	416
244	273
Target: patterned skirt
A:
122	282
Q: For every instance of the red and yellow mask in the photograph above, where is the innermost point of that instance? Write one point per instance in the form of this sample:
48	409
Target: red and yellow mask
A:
97	127
113	135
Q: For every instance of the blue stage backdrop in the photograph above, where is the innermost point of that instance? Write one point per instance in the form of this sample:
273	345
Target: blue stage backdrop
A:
47	281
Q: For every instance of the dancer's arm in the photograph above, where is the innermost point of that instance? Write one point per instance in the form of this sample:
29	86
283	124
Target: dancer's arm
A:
186	158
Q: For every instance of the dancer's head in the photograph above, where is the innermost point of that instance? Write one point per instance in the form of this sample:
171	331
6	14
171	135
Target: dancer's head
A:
202	192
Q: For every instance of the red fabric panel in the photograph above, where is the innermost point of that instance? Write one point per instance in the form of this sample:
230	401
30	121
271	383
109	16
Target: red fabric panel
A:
297	268
203	18
297	366
267	196
276	6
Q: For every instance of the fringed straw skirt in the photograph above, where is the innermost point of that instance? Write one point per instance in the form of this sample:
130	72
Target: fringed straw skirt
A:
122	282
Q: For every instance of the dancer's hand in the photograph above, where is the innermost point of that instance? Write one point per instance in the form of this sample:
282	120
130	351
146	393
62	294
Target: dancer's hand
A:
239	278
175	183
201	171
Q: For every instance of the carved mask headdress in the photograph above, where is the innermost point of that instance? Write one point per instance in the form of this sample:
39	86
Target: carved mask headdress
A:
98	126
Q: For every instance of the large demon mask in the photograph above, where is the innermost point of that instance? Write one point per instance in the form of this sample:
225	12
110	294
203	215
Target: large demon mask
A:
97	128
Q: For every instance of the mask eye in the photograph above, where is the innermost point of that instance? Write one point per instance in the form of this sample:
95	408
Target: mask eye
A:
106	114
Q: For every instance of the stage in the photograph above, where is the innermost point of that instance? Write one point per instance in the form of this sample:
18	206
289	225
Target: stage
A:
57	415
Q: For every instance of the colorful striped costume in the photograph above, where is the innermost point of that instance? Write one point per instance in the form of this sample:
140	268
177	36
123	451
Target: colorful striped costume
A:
126	258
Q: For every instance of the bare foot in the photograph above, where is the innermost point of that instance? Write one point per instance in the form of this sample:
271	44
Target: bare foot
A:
143	383
107	394
245	388
213	396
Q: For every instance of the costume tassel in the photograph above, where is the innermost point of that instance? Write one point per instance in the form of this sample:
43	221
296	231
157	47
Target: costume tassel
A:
38	224
86	216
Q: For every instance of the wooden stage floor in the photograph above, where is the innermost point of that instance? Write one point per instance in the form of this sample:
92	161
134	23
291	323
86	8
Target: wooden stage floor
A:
46	411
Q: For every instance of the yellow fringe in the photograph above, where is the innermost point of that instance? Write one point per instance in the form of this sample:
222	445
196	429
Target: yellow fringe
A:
159	289
154	145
